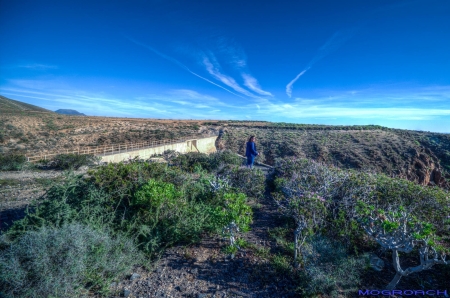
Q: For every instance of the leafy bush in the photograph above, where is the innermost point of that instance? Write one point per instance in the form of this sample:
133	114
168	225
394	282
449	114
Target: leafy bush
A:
163	216
122	180
329	270
234	209
138	199
73	201
188	162
225	157
12	162
251	182
65	262
71	161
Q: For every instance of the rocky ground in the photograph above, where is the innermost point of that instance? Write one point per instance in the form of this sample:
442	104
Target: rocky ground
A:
205	270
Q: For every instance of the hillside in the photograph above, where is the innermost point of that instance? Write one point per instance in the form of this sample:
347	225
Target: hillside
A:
8	105
423	157
69	112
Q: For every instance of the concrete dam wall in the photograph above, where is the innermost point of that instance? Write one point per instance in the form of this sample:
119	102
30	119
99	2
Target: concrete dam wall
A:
203	145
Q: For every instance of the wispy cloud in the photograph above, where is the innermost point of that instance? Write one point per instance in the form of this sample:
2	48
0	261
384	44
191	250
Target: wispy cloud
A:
213	69
37	66
332	44
173	60
253	85
225	61
384	105
291	83
176	104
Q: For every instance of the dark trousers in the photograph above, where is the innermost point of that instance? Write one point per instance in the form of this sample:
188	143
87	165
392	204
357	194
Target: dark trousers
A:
250	160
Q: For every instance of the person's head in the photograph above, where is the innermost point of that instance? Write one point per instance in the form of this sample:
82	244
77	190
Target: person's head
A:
252	139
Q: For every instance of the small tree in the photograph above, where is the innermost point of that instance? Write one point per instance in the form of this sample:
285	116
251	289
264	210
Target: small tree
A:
308	210
234	215
305	196
399	231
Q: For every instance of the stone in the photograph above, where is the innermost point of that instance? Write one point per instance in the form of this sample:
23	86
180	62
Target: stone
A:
126	293
134	276
83	168
376	263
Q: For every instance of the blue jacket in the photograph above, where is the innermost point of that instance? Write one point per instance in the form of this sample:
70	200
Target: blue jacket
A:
251	149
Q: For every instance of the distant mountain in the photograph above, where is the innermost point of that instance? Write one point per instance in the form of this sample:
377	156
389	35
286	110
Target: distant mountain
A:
69	112
8	105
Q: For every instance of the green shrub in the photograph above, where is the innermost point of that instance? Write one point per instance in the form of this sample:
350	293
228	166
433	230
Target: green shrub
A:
73	201
65	262
136	200
12	162
329	270
165	217
122	180
72	161
234	209
251	182
188	162
225	157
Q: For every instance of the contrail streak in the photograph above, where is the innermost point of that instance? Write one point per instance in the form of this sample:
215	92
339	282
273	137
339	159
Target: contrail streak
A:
179	64
332	44
289	86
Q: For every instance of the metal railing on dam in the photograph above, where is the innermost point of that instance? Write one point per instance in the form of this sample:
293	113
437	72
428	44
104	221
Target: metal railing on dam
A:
183	145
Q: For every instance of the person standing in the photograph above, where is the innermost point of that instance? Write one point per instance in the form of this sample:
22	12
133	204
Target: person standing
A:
251	152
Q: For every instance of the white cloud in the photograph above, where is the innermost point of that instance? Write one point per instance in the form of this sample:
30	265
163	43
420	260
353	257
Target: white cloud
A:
253	85
37	66
291	83
213	69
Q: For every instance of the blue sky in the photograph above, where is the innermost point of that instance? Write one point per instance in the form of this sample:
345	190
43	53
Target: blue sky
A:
322	62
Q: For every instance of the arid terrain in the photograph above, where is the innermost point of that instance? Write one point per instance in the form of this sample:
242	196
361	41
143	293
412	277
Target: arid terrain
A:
203	269
423	157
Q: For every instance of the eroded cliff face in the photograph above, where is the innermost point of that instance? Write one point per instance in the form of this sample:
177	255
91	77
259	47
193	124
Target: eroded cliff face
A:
425	168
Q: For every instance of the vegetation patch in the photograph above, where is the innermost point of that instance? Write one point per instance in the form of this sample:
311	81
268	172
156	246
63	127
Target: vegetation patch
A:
67	261
69	161
12	162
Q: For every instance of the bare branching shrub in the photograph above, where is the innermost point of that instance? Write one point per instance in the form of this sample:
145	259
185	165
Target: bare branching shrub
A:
218	184
344	188
305	196
400	231
65	262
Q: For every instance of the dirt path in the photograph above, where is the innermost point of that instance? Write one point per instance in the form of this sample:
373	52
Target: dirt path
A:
204	270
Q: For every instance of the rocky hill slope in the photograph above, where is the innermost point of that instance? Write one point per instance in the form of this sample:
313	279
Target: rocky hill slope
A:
13	106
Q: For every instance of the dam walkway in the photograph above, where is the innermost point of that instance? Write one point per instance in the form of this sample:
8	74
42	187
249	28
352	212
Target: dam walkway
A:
144	150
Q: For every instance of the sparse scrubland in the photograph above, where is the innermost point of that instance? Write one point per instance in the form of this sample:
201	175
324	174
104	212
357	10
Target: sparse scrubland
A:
344	208
119	216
